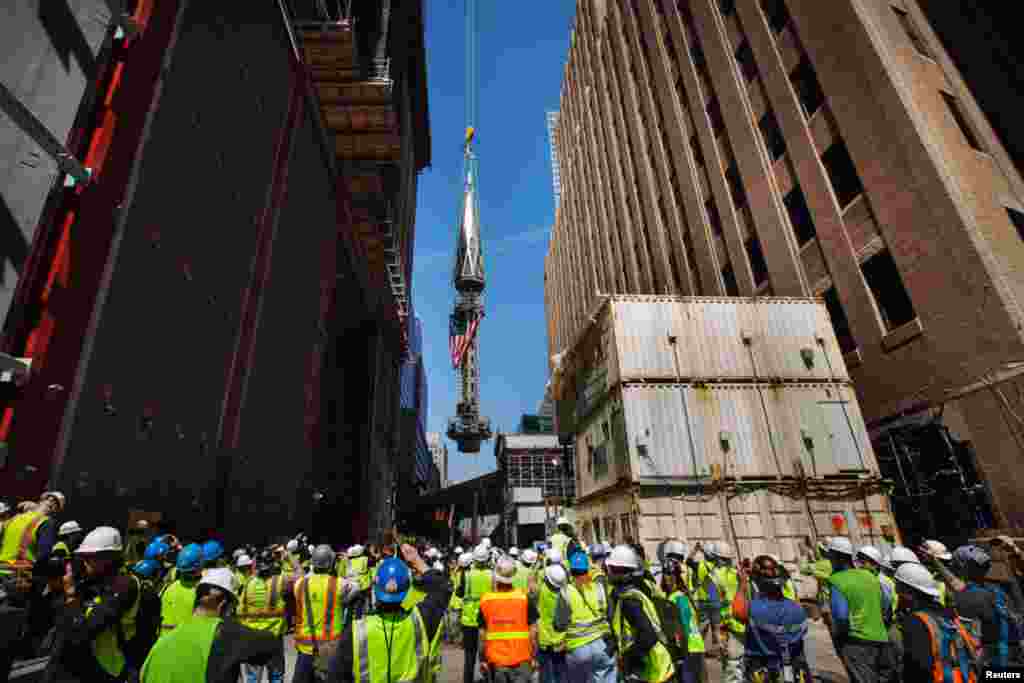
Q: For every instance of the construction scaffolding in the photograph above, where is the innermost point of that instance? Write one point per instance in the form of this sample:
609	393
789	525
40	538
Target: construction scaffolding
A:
551	470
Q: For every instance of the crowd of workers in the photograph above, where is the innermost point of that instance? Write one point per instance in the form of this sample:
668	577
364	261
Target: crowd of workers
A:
167	612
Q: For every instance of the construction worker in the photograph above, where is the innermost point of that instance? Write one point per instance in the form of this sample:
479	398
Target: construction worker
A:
938	560
564	539
859	602
705	593
69	536
213	555
551	643
598	553
210	646
359	573
179	597
821	569
870	558
635	624
986	603
582	614
29	536
100	607
522	582
262	607
900	556
776	626
788	588
475	582
454	616
319	612
678	584
417	594
341	568
243	569
507	620
727	581
937	645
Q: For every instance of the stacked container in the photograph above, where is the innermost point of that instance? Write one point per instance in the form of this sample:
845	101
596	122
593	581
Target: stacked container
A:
667	396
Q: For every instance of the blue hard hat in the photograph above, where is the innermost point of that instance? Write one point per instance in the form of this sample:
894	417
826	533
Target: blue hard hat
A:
579	562
146	568
212	551
156	550
393	581
190	559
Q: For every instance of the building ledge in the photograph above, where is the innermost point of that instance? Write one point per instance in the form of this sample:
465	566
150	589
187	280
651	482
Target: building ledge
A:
904	334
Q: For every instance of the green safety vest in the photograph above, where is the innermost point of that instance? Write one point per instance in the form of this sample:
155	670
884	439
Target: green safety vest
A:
589	620
176	604
359	571
821	570
521	581
705	574
688	615
658	666
407	636
60	547
18	549
182	657
863	593
342	567
547	601
262	604
414	596
478	582
560	542
789	590
455	602
106	647
728	582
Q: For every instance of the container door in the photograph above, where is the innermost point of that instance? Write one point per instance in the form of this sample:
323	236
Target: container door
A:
846	450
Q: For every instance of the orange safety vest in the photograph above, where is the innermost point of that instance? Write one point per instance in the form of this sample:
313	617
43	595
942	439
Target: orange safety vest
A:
951	665
508	634
327	613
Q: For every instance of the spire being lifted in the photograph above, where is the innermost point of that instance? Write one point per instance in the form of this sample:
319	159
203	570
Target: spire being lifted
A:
468	429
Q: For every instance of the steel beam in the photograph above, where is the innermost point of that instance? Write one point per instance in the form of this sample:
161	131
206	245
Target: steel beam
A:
29	124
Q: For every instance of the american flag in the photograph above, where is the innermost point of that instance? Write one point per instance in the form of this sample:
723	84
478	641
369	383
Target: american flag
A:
461	332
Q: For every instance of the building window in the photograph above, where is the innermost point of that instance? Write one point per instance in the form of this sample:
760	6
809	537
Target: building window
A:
842	173
776	14
729	280
912	34
808	91
839	322
883	278
732	176
961	121
799	216
698	156
758	266
1017	218
773	140
745	60
713	218
715	118
727	7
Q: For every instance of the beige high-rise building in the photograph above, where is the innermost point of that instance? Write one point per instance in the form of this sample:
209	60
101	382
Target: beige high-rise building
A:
802	147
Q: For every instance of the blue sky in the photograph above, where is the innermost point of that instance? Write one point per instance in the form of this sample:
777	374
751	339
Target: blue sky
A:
522	51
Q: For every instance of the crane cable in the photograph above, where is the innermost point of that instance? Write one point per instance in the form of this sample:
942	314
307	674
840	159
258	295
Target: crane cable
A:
471	64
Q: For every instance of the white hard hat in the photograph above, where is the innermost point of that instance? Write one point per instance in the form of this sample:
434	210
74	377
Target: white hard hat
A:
513	551
870	552
480	554
841	545
292	546
676	548
355	551
4	508
917	577
656	570
554	555
600	550
624	557
238	553
505	570
556	576
900	554
222	578
243	561
563	521
529	556
439	566
61	500
101	539
723	550
937	550
465	559
486	543
459	550
68	528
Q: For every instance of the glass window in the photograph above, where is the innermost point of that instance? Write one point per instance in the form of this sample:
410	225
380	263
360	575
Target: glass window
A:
799	216
842	173
883	278
808	90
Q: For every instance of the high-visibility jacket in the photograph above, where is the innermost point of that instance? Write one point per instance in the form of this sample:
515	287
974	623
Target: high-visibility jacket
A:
589	619
328	611
106	647
61	548
820	570
953	649
547	602
414	596
262	604
658	666
18	549
699	583
863	593
403	639
690	620
359	571
176	604
789	590
728	582
341	568
182	655
507	638
478	581
560	542
521	581
455	602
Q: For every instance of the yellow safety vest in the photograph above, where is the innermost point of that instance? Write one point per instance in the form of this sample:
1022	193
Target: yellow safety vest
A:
61	547
404	639
176	605
105	646
328	612
694	639
521	581
658	666
547	601
728	583
18	550
455	602
359	571
478	582
589	620
262	604
560	542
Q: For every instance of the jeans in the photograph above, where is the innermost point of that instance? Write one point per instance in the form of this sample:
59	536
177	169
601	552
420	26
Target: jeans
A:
254	674
470	653
591	664
867	662
690	669
303	669
553	667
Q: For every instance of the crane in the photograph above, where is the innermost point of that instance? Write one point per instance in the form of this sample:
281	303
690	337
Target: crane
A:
468	428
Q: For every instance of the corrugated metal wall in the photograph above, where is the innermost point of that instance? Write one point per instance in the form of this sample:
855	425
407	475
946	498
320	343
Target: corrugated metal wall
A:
49	54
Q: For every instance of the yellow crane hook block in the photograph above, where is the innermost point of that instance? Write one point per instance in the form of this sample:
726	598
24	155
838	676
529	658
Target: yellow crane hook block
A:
470	132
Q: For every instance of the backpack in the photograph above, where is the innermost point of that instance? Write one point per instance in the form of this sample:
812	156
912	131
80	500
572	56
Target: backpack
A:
147	626
1009	621
954	648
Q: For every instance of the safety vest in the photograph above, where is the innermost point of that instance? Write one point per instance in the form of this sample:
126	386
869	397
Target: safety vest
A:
414	596
402	642
789	590
262	604
176	605
822	571
863	593
359	571
478	582
942	594
328	611
699	584
183	655
694	640
435	654
455	602
507	638
728	582
954	651
658	666
18	549
342	567
106	647
560	542
547	601
60	547
589	619
521	581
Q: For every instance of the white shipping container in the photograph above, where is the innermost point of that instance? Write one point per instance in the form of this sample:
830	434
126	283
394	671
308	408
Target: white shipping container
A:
530	514
764	523
527	494
674	433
